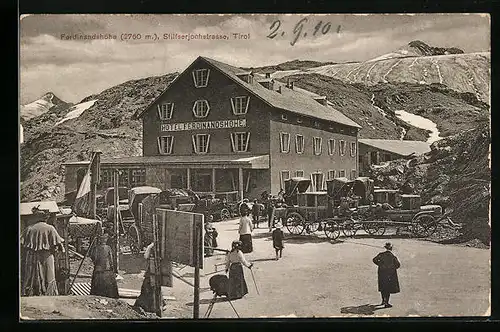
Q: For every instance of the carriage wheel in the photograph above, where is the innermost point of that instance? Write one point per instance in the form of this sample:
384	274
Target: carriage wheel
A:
332	230
295	223
225	214
134	240
424	225
377	229
349	228
312	227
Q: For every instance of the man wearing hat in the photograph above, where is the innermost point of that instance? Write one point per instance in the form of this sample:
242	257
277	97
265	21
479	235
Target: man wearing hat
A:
278	240
388	282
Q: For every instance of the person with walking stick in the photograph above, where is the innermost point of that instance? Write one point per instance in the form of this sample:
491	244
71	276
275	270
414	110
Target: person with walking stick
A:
388	282
234	262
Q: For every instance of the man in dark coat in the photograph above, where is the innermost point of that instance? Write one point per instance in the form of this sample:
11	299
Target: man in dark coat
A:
388	282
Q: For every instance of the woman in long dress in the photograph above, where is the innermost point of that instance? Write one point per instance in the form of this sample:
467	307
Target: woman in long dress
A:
103	278
38	245
234	266
146	298
245	231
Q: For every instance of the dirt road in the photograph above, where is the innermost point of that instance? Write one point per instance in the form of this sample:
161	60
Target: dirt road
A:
317	277
320	278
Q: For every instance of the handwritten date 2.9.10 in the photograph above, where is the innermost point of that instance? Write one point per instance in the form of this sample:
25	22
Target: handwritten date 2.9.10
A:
301	30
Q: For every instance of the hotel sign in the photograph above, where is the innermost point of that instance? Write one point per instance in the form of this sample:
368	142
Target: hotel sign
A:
203	125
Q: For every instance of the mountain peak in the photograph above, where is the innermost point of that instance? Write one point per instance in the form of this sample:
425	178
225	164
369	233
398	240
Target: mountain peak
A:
418	47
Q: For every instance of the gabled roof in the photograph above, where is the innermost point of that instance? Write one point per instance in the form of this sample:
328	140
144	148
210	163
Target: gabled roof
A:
290	100
402	148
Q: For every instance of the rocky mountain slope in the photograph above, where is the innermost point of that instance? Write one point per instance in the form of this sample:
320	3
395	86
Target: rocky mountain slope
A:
455	174
106	125
374	107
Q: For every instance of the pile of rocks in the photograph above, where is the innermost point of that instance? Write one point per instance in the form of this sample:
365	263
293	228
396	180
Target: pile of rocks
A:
454	174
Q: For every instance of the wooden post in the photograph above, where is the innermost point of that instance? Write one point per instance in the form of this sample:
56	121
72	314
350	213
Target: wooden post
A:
213	181
240	183
94	179
116	201
188	178
157	268
197	244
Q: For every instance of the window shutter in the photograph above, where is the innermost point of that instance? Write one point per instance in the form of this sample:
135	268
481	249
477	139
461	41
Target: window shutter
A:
208	144
193	137
248	142
233	106
159	111
232	135
248	102
160	151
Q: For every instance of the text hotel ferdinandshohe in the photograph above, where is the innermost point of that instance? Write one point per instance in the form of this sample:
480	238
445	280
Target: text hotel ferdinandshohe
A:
221	124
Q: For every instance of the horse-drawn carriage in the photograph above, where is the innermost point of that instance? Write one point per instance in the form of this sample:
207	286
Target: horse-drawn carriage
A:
143	202
350	205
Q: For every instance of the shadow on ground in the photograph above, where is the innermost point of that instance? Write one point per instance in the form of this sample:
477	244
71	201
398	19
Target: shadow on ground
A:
298	239
132	264
365	309
385	236
208	301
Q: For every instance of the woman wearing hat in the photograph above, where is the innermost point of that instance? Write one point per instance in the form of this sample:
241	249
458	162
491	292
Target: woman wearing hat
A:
39	242
278	240
245	230
234	261
388	282
103	278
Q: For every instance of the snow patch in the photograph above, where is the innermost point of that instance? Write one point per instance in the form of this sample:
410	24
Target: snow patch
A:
36	108
420	122
283	73
77	110
381	111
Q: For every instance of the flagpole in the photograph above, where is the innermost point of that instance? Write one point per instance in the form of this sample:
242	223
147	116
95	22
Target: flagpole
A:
94	179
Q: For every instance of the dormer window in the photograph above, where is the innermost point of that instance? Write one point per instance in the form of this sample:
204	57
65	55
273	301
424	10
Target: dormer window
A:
200	77
284	117
165	111
240	105
246	77
316	124
201	109
165	144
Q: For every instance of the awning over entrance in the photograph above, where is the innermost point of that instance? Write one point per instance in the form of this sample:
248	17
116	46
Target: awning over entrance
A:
204	161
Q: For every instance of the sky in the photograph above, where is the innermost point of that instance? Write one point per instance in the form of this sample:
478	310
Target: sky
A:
73	69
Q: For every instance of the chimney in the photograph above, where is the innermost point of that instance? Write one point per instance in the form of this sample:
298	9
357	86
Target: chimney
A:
289	84
268	75
279	89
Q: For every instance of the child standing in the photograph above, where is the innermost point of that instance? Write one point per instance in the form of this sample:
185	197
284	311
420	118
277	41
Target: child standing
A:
278	240
256	213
